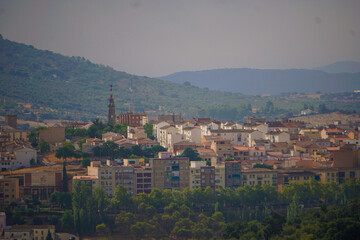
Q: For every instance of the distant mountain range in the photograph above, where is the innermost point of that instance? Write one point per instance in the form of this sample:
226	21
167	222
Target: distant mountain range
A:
41	83
341	67
337	77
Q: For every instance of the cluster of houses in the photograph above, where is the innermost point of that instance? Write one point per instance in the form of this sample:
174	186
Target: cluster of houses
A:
232	155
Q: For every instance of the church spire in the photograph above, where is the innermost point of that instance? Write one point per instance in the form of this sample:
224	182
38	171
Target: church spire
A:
111	109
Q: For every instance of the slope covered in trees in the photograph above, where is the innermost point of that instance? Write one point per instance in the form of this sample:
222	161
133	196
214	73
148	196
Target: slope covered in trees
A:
60	86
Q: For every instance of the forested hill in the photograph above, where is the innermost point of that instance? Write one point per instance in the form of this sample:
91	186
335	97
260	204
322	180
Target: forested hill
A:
271	81
58	86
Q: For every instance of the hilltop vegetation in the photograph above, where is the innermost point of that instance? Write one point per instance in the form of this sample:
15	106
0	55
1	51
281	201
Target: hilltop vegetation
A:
59	86
46	84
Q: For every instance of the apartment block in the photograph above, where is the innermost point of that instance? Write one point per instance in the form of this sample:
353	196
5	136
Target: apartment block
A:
259	176
9	190
170	173
201	176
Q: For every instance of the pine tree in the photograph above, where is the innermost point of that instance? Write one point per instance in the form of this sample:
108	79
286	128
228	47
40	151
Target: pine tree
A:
65	178
48	236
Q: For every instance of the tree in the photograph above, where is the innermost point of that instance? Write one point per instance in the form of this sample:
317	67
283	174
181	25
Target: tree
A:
66	151
148	128
85	162
192	154
67	221
323	108
44	146
65	178
48	236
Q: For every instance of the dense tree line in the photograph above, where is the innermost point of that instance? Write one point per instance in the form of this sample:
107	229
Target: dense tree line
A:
259	212
309	210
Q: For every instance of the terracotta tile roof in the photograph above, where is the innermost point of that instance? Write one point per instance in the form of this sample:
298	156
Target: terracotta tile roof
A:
241	148
333	130
274	153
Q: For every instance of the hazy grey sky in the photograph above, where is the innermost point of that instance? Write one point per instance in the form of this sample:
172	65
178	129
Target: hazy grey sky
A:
159	37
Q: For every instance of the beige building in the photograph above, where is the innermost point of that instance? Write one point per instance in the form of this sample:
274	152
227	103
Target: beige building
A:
52	135
201	176
259	176
170	173
15	134
222	148
9	191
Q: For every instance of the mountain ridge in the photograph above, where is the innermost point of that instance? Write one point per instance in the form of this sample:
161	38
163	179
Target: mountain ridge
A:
268	81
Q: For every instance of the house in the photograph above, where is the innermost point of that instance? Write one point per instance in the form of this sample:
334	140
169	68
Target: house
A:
157	126
277	136
21	158
238	137
91	143
179	147
163	134
306	112
331	132
146	143
222	148
111	136
192	134
206	127
136	132
231	126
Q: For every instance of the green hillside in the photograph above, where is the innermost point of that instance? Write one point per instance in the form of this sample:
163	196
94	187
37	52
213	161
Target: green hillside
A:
75	88
37	82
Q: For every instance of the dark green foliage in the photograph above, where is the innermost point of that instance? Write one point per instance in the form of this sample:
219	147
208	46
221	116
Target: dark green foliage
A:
148	128
260	165
44	146
86	162
67	221
192	154
65	178
48	236
63	199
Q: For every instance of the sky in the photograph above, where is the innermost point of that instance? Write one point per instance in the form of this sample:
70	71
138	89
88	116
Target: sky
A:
159	37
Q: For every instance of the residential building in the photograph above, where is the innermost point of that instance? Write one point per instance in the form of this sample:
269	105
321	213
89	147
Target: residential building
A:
91	143
170	173
157	126
15	134
136	132
206	128
259	176
222	148
286	178
133	119
41	185
192	134
201	176
9	191
277	136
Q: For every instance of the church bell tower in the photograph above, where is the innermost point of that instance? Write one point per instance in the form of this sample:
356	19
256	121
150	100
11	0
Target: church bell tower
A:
111	109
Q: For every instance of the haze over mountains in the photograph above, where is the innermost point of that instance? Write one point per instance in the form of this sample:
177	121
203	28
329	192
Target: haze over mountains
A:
337	77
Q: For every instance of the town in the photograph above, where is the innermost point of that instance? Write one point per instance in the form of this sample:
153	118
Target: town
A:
164	152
